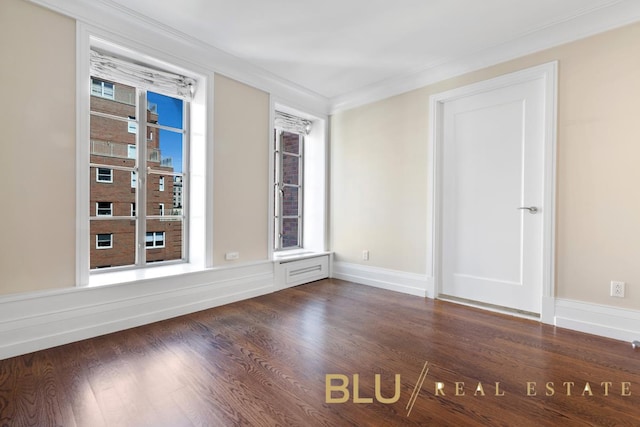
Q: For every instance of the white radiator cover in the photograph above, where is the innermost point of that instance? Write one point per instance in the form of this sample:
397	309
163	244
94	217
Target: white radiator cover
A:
296	272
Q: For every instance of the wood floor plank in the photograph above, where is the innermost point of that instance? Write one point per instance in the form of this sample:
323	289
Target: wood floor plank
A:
265	361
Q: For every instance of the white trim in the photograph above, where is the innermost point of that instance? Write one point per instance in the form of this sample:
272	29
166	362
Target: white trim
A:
82	156
606	321
548	72
393	280
39	320
589	23
205	177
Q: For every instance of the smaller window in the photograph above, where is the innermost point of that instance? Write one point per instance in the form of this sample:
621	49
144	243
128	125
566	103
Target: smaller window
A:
104	209
155	239
133	209
161	185
131	151
134	180
102	89
161	209
104	241
104	175
132	126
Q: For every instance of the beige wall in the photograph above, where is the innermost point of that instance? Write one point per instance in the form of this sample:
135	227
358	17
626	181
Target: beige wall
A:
241	171
37	164
379	183
378	191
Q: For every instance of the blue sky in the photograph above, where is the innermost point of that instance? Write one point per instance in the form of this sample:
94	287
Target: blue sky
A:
170	113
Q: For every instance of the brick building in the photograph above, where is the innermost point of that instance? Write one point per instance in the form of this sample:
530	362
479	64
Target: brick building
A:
113	183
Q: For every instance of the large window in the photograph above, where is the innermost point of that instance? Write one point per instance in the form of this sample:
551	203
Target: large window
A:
138	142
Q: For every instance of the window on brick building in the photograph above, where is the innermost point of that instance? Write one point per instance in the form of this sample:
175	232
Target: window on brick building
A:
104	209
104	175
155	239
104	241
102	89
139	134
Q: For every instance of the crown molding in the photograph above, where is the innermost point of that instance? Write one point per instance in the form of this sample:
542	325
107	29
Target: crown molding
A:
589	22
169	44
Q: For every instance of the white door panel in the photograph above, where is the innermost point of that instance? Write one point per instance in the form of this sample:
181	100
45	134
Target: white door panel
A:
492	165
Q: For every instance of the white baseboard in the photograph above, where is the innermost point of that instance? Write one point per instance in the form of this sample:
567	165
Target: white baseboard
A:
42	320
399	281
606	321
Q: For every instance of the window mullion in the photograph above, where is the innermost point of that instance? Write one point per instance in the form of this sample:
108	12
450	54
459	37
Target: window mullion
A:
186	184
300	188
141	193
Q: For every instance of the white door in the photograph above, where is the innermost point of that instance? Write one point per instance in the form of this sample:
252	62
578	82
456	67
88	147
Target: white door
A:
492	194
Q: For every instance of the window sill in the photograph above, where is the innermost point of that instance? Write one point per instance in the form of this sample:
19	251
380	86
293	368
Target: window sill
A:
134	275
296	254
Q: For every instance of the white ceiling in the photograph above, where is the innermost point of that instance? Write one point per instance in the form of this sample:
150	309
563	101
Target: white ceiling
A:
335	47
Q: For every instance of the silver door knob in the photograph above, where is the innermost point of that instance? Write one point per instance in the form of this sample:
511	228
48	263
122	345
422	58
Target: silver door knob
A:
531	209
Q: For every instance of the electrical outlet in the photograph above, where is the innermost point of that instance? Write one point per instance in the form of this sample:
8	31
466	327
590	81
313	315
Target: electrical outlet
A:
231	256
365	255
617	289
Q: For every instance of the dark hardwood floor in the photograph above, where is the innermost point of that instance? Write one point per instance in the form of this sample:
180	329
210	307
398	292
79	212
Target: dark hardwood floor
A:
265	361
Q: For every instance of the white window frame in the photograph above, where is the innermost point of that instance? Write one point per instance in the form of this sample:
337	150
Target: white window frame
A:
104	214
161	208
110	241
161	183
133	209
106	181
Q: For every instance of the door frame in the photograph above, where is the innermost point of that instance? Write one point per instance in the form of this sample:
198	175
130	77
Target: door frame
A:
548	73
